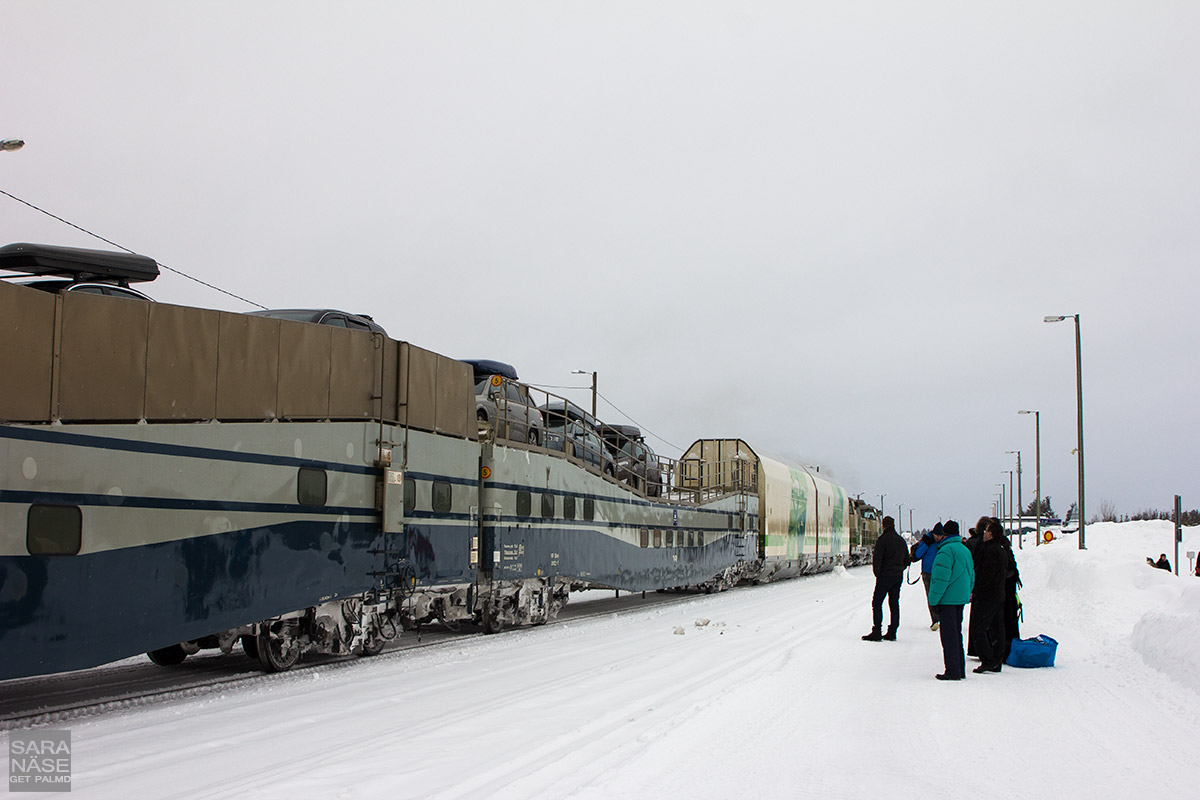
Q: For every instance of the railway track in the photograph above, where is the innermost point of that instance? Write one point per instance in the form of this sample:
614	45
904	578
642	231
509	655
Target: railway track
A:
136	683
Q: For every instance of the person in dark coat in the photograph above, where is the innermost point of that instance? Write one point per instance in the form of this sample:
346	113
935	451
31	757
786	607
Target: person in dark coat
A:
987	599
888	563
1012	603
925	551
1162	562
972	544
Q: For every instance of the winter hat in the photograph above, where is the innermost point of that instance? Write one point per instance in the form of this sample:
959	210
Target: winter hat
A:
950	528
938	531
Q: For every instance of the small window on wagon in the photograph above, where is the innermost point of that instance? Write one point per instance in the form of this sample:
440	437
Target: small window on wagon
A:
410	494
644	535
589	509
670	538
657	537
547	506
569	507
699	538
443	496
524	504
54	530
311	487
691	539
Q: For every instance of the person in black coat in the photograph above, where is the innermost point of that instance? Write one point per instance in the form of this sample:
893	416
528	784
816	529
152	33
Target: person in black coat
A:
1163	563
1012	603
987	600
888	563
972	542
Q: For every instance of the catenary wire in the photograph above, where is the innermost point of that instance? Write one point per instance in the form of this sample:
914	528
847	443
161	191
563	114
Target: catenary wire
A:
614	408
127	250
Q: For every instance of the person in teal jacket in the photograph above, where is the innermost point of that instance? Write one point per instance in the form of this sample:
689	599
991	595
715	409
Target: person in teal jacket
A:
950	586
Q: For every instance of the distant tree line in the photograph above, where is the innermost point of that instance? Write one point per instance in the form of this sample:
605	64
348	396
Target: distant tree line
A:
1185	518
1108	513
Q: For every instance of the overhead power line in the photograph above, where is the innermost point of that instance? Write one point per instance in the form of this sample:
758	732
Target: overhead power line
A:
641	427
127	250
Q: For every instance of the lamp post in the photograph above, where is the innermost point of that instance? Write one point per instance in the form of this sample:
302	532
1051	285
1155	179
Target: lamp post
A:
1001	485
900	519
1020	502
1037	427
593	374
1079	419
11	144
881	514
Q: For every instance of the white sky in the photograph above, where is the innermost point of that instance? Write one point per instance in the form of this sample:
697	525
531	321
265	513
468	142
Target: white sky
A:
832	229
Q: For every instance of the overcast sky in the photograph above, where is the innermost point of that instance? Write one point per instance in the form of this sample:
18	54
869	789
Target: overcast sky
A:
831	229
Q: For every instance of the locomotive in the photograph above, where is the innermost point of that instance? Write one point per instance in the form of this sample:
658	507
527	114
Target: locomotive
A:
175	478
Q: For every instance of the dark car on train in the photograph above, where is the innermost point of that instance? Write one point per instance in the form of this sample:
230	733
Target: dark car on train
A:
324	316
637	464
569	430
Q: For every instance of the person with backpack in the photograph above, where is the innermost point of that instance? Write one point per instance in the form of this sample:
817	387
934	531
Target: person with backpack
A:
950	586
888	563
925	551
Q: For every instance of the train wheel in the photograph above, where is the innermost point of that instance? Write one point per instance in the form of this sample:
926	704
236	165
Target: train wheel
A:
277	652
372	644
491	618
168	656
250	647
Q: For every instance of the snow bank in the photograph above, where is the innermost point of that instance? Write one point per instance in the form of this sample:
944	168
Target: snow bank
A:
1169	639
1115	599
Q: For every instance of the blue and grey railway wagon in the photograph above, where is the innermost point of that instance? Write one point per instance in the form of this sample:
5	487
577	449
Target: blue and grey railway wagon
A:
174	478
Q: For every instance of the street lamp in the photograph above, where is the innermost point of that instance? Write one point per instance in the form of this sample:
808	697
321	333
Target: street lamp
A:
900	520
11	144
1020	503
881	514
1001	514
593	374
1037	427
1079	419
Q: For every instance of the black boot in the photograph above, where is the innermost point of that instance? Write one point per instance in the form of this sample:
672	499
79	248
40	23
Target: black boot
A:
890	636
873	636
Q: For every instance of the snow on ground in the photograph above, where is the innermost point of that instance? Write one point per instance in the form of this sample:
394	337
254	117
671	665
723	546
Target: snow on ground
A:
774	697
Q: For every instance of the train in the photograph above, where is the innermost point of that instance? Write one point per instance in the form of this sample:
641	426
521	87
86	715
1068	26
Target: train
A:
175	478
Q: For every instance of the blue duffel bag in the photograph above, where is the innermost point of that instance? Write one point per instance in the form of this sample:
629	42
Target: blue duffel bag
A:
1036	652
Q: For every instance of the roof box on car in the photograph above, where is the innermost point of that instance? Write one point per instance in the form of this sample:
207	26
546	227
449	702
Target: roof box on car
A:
483	366
77	262
626	431
558	410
